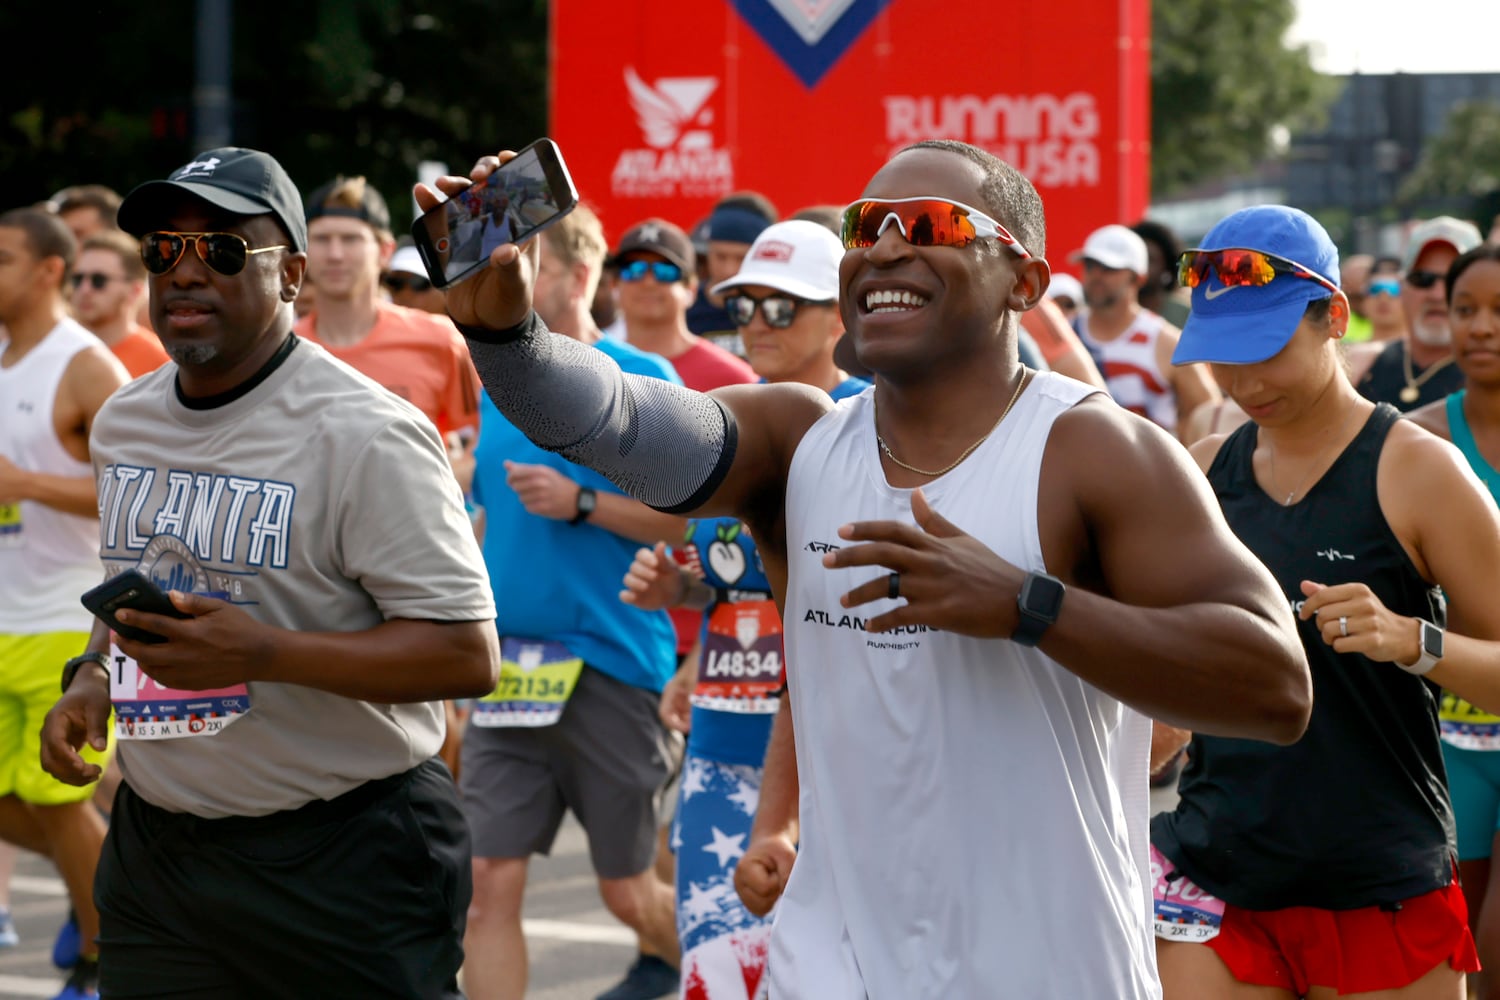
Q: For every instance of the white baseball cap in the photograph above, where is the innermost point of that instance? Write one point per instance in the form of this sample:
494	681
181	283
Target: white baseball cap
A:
799	257
1117	247
1065	285
408	261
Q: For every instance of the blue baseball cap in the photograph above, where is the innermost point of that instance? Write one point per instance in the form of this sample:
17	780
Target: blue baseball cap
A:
1242	325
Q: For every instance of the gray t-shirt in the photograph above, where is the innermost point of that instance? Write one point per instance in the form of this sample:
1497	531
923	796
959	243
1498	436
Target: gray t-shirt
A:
318	501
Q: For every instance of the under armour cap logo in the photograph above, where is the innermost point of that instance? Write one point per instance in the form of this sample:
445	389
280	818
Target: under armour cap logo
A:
198	168
649	233
775	250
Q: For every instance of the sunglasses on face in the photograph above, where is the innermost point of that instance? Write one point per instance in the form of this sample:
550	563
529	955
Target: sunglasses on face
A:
662	271
406	282
96	280
1239	268
923	222
1385	286
779	311
224	253
1423	279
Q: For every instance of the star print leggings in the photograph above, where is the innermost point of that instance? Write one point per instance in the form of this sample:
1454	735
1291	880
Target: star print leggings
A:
724	945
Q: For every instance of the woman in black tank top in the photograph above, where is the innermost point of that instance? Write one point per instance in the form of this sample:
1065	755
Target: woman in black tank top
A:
1334	857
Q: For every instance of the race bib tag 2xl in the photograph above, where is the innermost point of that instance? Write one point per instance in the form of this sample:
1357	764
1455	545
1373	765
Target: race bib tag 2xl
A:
741	667
1182	911
536	680
145	710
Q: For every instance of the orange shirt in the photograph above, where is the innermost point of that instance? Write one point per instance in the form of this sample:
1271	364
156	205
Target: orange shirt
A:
419	356
140	351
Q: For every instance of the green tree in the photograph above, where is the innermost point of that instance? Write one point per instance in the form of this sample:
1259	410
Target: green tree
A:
1460	165
1221	80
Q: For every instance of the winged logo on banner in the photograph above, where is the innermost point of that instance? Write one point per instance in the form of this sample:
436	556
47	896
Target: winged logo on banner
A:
666	110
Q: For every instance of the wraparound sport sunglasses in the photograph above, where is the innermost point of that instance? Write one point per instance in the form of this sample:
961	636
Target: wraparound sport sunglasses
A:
924	222
1240	268
225	253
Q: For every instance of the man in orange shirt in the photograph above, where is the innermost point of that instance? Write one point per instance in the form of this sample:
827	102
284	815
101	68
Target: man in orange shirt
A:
108	286
416	355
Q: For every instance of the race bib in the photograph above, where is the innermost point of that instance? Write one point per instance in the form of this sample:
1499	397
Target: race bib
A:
536	680
145	710
10	526
1467	727
1183	912
741	667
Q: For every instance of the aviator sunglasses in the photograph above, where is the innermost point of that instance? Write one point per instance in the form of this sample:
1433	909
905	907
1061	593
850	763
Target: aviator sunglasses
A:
225	253
779	311
924	222
1240	268
662	271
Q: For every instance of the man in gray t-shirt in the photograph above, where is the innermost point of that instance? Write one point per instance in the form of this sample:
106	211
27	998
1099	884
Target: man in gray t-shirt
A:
307	527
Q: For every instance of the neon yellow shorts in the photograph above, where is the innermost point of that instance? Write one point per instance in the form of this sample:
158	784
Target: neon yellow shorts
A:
30	670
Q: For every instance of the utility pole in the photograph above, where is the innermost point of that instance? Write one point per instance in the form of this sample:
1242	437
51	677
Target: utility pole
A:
212	66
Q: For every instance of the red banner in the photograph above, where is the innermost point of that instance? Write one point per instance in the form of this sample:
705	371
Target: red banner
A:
663	107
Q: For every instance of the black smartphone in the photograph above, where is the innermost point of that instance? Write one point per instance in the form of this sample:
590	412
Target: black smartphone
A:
135	590
517	201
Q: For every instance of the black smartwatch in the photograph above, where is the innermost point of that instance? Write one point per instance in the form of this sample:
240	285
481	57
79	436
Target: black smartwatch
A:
587	501
70	669
1040	601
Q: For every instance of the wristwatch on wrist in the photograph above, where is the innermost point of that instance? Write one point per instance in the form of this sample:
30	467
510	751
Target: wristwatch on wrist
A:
587	501
1039	602
70	669
1432	649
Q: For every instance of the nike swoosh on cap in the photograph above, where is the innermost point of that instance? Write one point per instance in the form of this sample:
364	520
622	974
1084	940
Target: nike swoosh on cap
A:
1212	293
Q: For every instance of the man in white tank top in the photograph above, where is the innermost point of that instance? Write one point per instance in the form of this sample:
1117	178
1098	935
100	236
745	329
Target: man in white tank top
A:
1134	345
54	377
989	579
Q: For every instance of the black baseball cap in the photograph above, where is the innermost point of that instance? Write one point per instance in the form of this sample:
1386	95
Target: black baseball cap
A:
239	181
660	237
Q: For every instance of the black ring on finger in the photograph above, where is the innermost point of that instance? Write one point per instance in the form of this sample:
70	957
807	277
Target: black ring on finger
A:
893	586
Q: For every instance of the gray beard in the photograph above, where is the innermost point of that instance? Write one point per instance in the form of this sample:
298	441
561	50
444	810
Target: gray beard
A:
192	355
1432	335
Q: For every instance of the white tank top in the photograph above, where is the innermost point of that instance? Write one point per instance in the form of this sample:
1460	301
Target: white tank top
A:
973	814
47	558
1135	378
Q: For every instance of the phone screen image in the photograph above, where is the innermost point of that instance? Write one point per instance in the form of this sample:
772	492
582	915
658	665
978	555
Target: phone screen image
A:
523	196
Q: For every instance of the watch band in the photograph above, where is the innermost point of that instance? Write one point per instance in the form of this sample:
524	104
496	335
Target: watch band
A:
1430	643
70	669
1039	602
588	499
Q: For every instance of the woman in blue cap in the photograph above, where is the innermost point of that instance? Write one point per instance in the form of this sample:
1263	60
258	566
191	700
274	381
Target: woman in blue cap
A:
1325	868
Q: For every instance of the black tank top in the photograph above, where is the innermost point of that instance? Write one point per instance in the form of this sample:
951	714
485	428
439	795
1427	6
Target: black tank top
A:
1387	377
1356	813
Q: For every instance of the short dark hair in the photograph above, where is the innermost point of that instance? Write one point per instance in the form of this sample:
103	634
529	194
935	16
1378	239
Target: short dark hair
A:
1464	261
1007	194
96	196
1161	234
828	216
46	235
122	245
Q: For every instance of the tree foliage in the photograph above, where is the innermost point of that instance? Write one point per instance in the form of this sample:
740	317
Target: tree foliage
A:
1221	80
1462	162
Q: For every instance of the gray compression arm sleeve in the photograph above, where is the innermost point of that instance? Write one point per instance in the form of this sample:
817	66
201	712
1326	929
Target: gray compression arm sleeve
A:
662	444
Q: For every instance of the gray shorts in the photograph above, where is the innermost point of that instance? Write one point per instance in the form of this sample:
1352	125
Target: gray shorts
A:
608	759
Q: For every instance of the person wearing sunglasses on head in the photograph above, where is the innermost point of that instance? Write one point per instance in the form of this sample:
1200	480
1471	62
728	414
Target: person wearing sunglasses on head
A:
406	281
1470	418
109	286
329	593
784	303
1326	867
1418	369
1133	345
975	564
55	376
418	356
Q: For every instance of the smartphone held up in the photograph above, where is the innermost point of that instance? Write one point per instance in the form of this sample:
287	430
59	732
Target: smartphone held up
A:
520	199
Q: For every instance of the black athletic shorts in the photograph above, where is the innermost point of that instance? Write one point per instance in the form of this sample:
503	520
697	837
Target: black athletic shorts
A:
364	895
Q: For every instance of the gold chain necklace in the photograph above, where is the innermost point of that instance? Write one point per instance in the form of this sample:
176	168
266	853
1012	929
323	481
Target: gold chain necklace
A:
1021	385
1412	391
1317	463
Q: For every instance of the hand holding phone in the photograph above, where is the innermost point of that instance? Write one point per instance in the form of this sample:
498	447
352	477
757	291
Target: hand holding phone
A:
134	590
525	194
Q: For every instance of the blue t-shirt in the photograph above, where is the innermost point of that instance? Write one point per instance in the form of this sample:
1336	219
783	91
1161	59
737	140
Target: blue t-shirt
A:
736	737
558	581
